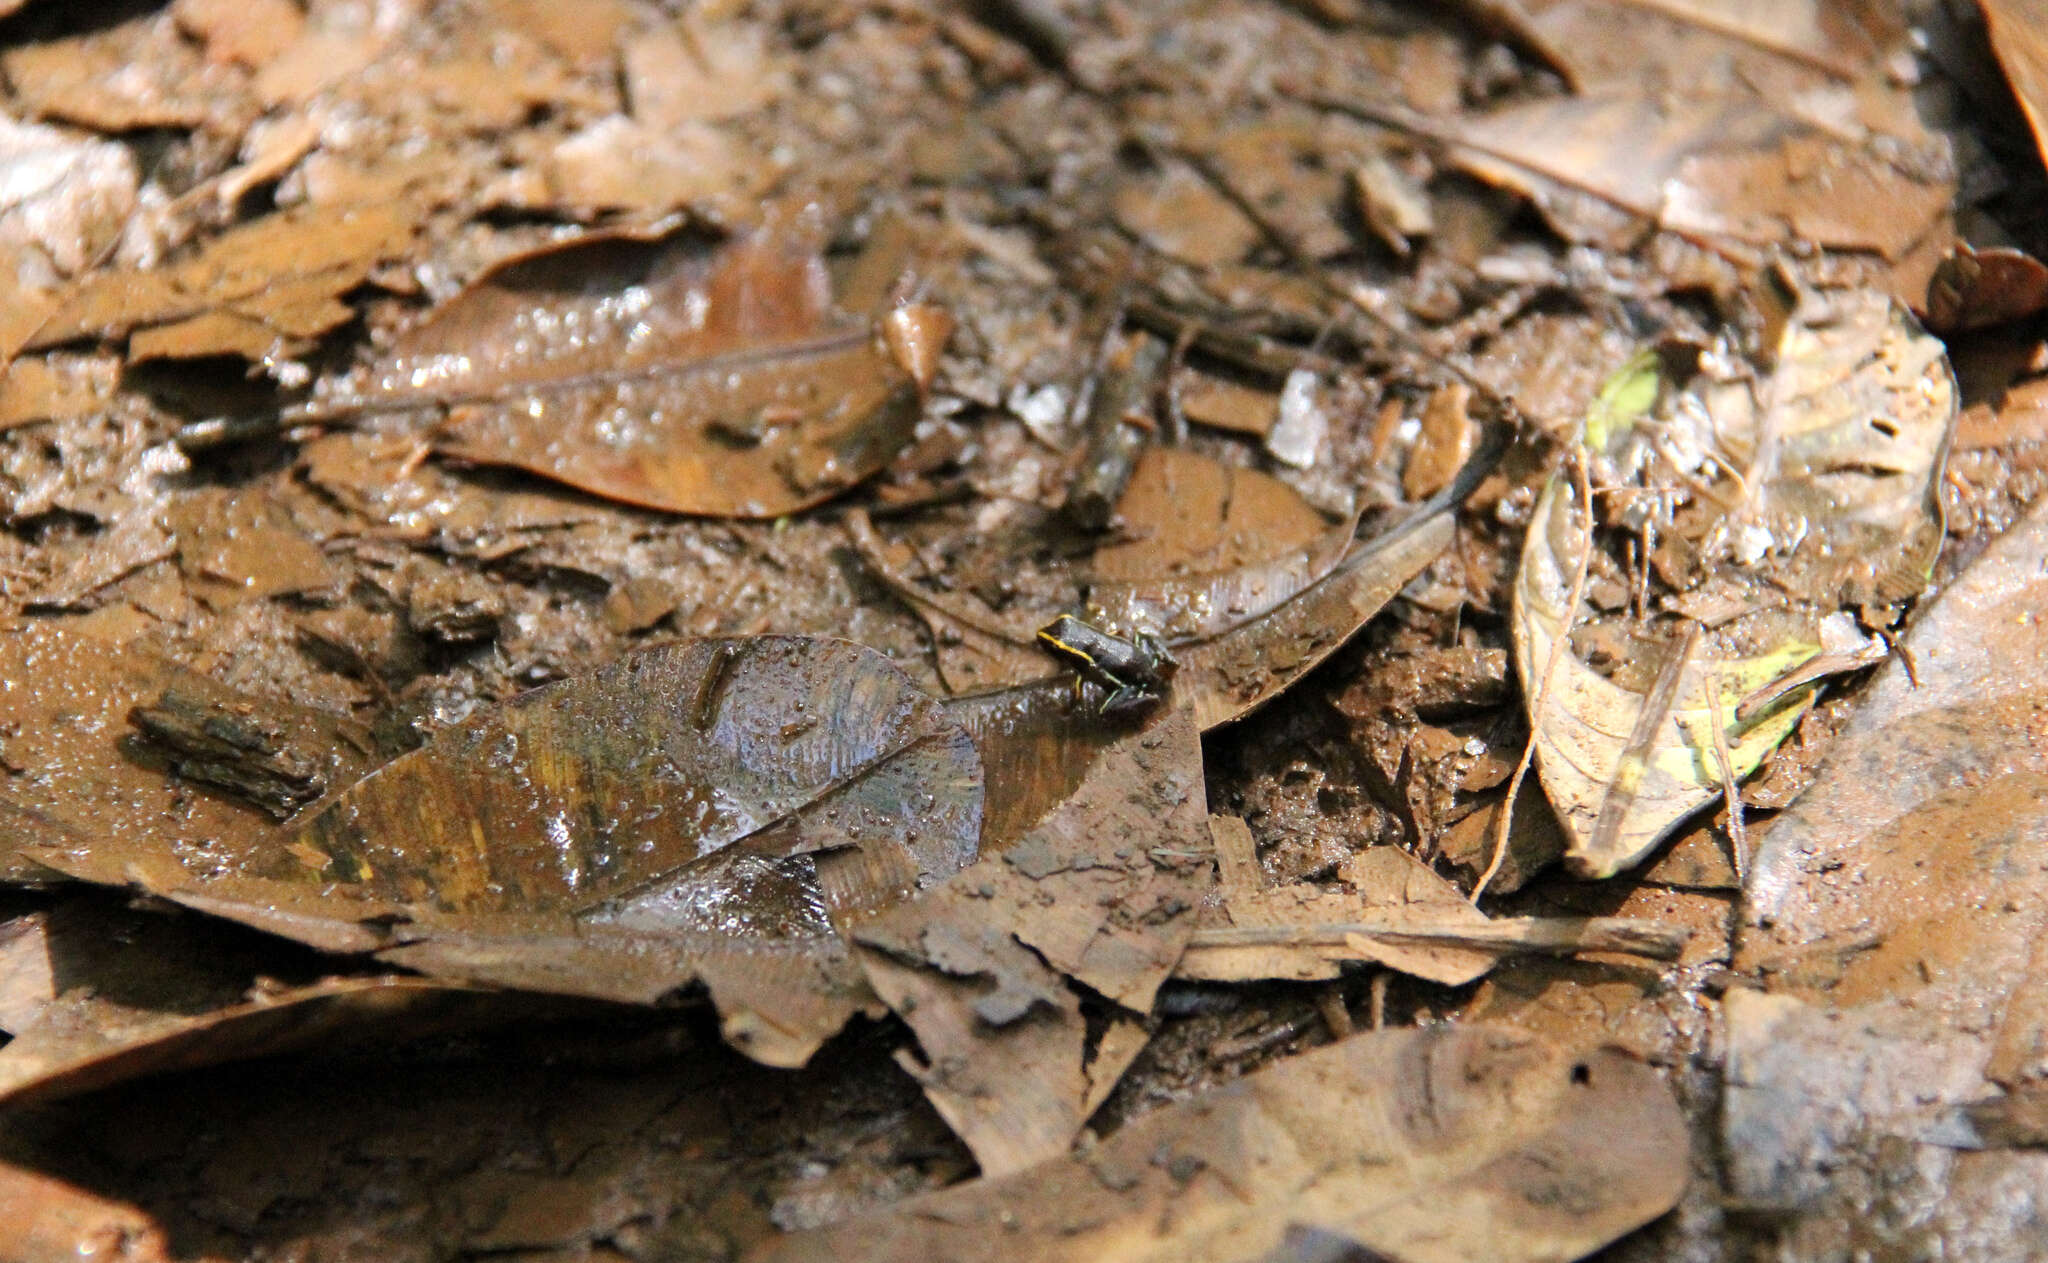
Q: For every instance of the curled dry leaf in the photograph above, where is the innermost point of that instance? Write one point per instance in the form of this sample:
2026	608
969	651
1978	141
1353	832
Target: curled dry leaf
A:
1897	915
1101	892
714	811
1764	500
665	374
1432	1145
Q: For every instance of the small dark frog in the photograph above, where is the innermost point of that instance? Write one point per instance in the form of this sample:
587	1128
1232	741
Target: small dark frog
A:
1135	671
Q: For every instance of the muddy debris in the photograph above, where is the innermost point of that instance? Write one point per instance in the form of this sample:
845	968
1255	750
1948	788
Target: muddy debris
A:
1258	629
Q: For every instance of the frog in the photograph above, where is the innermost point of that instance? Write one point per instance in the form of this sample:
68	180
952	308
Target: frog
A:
1136	670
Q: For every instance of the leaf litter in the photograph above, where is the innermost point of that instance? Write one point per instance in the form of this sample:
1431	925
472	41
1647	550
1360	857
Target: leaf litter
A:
1776	506
222	640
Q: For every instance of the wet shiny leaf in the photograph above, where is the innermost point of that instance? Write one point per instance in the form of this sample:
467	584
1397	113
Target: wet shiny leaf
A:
86	781
715	811
659	373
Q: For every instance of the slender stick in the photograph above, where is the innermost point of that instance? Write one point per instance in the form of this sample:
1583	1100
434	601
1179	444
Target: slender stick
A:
1738	834
1553	936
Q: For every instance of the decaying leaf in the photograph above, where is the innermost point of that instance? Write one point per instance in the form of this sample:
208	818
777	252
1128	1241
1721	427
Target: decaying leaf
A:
712	811
1896	915
1232	673
1241	635
1246	612
1762	502
1102	891
658	373
1433	1145
1384	883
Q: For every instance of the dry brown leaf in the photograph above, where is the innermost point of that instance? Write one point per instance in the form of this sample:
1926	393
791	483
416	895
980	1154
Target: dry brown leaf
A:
1385	884
1429	1146
659	374
1102	892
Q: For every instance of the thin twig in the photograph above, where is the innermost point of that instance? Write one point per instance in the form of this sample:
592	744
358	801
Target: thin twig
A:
1738	838
1509	936
1584	487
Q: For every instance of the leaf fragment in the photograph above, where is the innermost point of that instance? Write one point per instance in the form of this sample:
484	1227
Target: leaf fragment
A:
1431	1145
